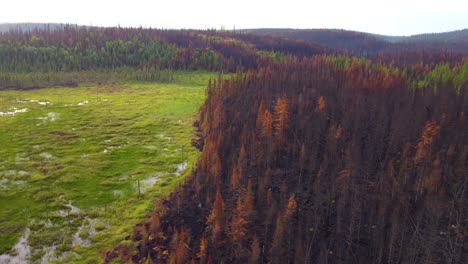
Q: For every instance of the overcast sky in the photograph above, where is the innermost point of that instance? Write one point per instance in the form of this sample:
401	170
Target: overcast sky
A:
392	17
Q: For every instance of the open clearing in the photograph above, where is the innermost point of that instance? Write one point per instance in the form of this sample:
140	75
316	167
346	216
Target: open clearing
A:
72	162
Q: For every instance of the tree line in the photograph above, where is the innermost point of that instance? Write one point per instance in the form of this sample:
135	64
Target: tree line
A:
82	48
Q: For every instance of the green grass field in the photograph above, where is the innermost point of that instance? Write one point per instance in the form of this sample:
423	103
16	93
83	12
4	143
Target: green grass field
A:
71	160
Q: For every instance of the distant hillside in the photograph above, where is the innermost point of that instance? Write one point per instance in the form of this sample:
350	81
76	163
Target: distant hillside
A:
360	43
455	40
458	35
333	38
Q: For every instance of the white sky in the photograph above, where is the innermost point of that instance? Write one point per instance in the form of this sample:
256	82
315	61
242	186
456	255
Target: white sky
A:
392	17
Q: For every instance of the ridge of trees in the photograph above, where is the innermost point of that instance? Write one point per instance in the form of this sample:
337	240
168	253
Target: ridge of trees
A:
320	160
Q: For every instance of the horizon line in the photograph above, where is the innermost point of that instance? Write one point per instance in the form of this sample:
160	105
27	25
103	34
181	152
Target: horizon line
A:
224	28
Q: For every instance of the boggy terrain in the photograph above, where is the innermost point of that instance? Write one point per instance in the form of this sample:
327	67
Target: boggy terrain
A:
80	166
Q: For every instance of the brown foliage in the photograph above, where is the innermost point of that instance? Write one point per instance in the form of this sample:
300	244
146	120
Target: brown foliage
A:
264	121
430	132
291	208
281	116
202	253
321	104
238	228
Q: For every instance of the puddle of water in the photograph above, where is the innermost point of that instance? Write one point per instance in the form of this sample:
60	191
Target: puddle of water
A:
83	103
147	183
19	158
111	148
150	147
92	227
77	240
46	155
181	168
33	101
72	210
23	173
9	173
49	255
22	249
13	112
49	223
52	117
6	184
118	193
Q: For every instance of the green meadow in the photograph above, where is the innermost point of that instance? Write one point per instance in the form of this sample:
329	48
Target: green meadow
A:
79	167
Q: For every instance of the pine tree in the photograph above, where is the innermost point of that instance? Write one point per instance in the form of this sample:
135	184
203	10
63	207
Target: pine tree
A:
238	227
215	219
238	230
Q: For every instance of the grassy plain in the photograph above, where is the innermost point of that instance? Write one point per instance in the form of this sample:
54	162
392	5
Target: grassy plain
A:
71	160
